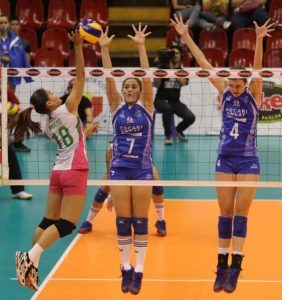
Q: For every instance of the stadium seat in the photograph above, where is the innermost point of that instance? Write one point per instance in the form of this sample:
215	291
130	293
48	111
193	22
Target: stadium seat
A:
273	58
5	8
244	38
275	41
62	13
171	35
214	39
56	38
95	10
214	57
30	35
275	11
90	58
242	58
30	13
48	57
186	59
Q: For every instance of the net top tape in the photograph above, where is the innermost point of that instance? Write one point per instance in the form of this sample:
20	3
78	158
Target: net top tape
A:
149	73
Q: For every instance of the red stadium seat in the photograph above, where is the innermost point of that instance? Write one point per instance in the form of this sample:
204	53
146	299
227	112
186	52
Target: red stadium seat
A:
171	35
56	38
5	8
214	39
275	11
90	58
30	35
275	41
273	58
186	59
96	10
62	13
244	38
214	57
30	13
48	57
242	58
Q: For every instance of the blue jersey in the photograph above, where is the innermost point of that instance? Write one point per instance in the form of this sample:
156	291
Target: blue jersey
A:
238	134
132	137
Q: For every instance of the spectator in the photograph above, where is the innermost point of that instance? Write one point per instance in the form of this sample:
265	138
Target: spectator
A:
84	108
167	100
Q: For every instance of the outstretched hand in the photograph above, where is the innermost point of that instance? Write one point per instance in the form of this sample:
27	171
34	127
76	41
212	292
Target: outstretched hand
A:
104	40
75	37
179	25
140	34
264	30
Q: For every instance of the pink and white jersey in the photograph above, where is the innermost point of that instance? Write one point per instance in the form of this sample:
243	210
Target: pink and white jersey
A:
66	131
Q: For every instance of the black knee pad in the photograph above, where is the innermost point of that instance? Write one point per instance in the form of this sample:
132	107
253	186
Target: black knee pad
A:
157	190
123	226
140	225
64	227
45	223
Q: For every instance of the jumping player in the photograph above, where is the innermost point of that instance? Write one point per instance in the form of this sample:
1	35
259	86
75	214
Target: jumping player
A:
237	155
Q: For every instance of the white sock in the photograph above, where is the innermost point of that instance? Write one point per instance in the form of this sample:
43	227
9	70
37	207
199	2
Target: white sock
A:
92	213
223	251
34	254
237	252
124	245
140	253
160	211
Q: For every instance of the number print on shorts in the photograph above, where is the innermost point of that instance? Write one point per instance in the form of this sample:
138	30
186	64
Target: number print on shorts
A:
65	139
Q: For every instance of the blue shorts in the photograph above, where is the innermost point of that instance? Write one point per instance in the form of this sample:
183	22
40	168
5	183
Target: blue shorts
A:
237	164
123	173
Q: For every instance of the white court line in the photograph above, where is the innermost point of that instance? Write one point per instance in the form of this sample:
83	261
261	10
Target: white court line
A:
57	265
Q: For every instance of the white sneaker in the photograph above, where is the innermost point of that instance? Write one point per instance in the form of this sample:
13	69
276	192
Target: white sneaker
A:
22	195
168	140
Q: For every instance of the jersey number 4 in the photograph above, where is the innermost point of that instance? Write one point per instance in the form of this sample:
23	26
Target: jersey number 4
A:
235	131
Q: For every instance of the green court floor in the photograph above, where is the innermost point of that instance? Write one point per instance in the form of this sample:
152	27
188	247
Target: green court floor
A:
194	160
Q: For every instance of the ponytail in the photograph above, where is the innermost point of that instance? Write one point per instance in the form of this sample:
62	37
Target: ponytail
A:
22	125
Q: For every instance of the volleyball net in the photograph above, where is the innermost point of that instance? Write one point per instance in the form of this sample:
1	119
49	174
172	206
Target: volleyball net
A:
180	164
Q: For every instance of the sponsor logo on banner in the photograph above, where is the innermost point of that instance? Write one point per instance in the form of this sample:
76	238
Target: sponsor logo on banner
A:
245	73
118	73
139	73
32	72
12	72
160	73
266	73
54	72
72	72
96	73
203	73
181	73
223	73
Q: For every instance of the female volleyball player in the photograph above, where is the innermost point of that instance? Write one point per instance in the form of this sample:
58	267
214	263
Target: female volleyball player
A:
104	191
132	159
68	180
237	155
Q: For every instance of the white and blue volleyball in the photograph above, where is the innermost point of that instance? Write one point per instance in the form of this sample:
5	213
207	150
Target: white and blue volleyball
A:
90	30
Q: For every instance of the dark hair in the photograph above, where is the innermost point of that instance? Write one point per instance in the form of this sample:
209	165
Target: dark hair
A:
136	79
14	18
238	67
23	125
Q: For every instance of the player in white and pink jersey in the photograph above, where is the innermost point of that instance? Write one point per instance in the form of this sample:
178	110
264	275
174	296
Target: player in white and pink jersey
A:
68	179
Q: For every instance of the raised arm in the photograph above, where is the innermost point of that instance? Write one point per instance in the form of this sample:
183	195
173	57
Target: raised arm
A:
147	89
256	83
74	98
113	95
183	30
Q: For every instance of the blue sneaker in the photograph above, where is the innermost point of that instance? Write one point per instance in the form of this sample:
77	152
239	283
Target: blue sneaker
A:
136	283
230	283
85	227
161	227
126	279
220	279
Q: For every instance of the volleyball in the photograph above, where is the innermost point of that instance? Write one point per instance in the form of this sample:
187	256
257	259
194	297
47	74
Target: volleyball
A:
12	108
90	30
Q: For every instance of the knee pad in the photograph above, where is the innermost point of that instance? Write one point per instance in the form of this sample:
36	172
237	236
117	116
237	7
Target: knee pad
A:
140	225
158	190
240	226
224	227
100	196
45	223
64	227
123	226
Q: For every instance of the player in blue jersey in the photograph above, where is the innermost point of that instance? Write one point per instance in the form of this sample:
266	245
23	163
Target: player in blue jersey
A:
131	160
237	155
